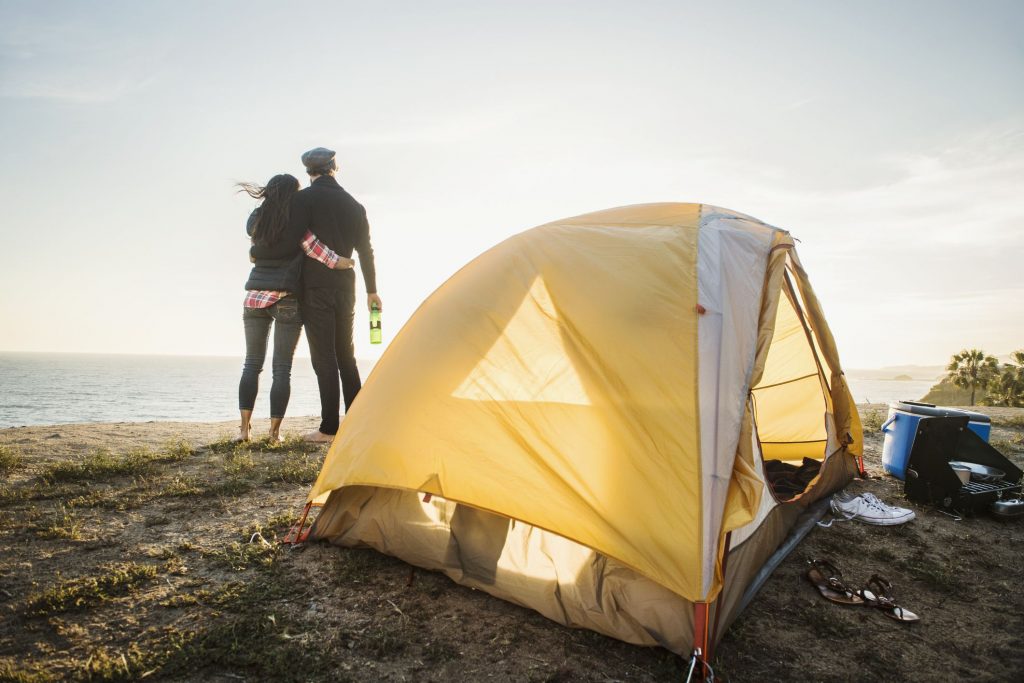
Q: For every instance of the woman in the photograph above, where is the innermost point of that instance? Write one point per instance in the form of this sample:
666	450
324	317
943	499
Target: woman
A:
278	251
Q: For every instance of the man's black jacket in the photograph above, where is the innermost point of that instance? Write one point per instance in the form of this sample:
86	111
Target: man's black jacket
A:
339	221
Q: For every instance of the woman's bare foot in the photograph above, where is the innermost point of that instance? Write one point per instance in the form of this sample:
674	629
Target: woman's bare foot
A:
245	427
318	437
275	430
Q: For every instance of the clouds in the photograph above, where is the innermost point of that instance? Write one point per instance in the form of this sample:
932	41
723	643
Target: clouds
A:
437	127
930	261
69	90
967	193
898	164
67	60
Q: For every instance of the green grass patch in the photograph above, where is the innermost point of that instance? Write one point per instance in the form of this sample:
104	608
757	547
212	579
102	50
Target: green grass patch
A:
872	420
232	487
259	644
108	665
116	500
239	463
195	487
245	636
11	673
943	574
101	466
171	552
1003	445
1011	422
10	495
294	468
227	444
225	595
84	593
82	495
242	556
293	443
177	451
156	520
175	566
64	524
273	528
282	521
180	487
10	460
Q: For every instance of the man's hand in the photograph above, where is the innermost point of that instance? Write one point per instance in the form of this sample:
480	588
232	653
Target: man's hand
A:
372	299
344	263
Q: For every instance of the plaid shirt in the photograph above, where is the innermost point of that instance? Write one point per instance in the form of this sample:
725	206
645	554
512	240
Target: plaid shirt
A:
315	249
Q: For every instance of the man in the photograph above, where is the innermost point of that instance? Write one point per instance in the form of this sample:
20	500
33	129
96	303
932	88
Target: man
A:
328	295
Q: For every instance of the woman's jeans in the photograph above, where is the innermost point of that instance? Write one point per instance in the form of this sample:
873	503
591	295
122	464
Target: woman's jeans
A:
287	321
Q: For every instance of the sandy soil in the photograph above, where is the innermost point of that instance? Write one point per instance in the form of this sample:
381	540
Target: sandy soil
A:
133	551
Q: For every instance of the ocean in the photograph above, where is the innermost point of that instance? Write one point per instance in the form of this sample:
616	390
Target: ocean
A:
56	388
888	390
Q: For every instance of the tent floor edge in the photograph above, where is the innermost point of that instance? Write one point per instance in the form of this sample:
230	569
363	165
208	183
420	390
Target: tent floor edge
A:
296	534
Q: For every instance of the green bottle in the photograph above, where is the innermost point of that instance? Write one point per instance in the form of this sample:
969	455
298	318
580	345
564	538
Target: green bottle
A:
375	324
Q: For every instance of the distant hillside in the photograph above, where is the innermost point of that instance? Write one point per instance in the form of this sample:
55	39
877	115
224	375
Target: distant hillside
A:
899	372
945	394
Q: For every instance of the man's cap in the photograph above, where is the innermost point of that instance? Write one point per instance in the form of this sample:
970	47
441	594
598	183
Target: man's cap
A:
319	158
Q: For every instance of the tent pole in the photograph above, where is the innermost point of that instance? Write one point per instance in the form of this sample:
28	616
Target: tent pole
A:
295	534
718	608
803	526
700	636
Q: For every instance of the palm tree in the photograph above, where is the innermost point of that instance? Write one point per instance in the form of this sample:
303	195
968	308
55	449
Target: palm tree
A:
1008	388
971	369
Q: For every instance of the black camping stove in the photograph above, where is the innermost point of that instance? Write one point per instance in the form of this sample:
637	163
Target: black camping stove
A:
930	479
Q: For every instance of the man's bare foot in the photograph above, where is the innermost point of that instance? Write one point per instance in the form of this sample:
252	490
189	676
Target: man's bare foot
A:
318	437
243	436
275	438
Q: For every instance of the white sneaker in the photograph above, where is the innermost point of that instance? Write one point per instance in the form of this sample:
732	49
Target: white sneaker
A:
869	509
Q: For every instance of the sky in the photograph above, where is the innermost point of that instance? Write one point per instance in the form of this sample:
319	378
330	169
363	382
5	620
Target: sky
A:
888	137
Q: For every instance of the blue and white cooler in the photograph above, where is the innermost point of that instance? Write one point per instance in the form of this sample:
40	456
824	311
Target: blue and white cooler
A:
901	426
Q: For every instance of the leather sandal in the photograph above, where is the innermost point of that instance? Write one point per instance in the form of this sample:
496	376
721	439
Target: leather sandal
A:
877	592
827	578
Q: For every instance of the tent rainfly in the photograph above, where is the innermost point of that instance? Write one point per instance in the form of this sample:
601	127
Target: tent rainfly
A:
581	419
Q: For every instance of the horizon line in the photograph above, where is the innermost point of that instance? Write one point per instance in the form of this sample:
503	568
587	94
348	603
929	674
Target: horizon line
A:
358	358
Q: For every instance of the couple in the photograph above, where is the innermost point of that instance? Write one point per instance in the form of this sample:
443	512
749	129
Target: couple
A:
302	241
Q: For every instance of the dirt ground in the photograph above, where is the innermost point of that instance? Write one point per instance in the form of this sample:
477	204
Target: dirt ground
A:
132	551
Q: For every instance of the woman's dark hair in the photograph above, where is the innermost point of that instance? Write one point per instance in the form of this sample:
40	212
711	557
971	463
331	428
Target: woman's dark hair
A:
272	217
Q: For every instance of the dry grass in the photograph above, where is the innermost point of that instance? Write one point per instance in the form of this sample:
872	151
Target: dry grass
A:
872	420
1009	421
100	466
10	460
112	581
63	524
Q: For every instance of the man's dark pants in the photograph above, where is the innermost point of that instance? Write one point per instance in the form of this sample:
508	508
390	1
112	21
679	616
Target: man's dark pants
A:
329	315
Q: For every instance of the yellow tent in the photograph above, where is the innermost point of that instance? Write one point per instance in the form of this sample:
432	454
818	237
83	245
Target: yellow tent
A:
578	421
